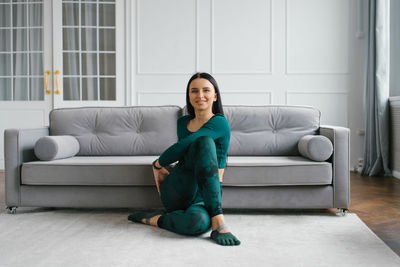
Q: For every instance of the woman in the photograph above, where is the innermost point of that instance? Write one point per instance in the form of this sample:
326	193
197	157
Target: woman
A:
192	192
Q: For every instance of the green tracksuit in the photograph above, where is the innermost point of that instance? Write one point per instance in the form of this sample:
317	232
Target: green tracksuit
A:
191	193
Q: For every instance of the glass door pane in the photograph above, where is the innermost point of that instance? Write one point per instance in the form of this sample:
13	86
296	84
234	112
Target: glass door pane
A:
89	52
21	51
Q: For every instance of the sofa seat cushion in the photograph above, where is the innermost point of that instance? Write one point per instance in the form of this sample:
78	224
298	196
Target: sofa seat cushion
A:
82	170
136	170
276	171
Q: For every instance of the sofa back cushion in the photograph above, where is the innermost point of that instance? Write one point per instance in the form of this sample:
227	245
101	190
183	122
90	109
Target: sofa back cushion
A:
270	130
113	131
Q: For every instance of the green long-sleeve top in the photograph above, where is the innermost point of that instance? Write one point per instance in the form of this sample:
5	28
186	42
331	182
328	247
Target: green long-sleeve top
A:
217	127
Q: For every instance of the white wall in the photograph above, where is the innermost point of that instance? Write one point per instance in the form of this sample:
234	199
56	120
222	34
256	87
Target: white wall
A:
307	52
302	52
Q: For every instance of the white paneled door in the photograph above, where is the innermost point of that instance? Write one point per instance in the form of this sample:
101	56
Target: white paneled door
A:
25	65
58	54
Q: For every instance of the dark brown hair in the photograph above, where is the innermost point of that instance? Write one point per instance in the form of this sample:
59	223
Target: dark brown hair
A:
217	105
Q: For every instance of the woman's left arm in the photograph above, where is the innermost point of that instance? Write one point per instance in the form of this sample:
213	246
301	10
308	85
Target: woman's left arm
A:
215	129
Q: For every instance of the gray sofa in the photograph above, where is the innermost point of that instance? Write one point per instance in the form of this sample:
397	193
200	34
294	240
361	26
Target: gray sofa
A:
118	144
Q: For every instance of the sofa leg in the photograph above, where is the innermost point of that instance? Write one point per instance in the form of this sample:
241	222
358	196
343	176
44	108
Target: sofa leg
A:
12	210
342	211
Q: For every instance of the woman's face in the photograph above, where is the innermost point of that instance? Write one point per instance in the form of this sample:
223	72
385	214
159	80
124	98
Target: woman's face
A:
202	94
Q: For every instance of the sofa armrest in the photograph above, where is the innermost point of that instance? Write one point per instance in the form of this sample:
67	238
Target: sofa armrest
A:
18	148
340	137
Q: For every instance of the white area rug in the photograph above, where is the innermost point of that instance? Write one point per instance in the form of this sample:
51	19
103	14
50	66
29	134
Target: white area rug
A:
72	237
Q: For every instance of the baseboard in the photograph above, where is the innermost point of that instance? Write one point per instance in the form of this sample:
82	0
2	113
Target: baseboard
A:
396	174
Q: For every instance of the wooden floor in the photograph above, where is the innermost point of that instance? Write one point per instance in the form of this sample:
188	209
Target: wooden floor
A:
376	201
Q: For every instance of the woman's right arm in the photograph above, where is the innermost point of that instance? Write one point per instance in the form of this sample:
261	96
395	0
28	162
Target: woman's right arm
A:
159	174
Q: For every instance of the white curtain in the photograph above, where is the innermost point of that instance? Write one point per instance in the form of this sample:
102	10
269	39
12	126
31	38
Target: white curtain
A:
36	56
71	63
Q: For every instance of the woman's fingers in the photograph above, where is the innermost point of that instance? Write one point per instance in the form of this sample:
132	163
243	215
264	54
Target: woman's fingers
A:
162	175
164	171
159	177
156	180
158	186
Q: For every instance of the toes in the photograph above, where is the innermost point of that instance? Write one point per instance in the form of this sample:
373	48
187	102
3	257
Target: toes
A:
225	239
132	217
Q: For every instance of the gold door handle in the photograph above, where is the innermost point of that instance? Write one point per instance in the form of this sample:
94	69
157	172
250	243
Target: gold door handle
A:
47	73
57	86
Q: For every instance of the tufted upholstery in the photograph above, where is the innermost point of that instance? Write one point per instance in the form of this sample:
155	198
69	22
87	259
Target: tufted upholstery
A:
118	130
271	130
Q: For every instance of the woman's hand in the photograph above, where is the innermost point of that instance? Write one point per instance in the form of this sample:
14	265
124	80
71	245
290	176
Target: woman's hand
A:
159	177
221	174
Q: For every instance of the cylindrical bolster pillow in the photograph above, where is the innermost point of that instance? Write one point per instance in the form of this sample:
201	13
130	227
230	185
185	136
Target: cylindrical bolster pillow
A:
56	147
315	147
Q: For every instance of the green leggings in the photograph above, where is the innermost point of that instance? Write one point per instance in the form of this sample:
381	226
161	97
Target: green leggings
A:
192	192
